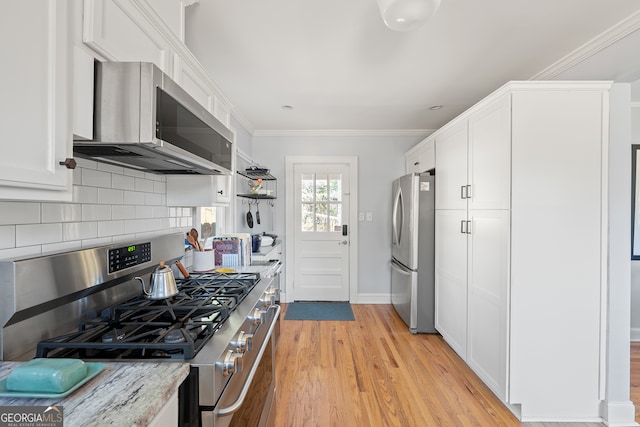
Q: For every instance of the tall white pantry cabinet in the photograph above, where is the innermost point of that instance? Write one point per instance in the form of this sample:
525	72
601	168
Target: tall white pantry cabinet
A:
521	255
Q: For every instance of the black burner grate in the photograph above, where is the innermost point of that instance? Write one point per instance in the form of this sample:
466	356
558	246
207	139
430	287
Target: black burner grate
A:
177	327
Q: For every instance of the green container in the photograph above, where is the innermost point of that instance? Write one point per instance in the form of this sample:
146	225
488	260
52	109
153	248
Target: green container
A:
47	375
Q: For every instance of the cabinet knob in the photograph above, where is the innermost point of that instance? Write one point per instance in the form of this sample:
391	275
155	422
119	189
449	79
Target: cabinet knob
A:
416	163
220	192
69	162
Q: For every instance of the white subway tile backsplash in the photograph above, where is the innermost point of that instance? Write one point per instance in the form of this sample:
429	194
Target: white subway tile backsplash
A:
61	212
61	247
123	182
109	204
96	212
133	198
79	230
77	176
96	242
154	176
134	173
86	163
109	196
144	212
123	212
95	178
110	168
85	194
110	228
145	185
160	212
19	213
20	252
7	236
38	234
152	199
159	187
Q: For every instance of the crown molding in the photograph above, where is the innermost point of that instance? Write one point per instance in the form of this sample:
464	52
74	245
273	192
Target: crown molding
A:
610	36
242	119
346	132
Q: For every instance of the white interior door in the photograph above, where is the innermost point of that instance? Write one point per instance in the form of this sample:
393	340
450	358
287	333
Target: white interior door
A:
321	231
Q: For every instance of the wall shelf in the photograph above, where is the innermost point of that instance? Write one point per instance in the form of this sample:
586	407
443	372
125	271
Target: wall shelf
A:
267	189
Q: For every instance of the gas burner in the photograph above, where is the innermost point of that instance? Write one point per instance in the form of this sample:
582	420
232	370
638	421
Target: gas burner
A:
114	335
174	336
140	328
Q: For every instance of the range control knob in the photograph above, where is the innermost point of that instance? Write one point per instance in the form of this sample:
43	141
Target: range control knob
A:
271	290
257	316
232	363
243	342
268	299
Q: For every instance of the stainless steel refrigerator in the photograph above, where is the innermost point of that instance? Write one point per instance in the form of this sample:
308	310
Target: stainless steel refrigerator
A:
412	250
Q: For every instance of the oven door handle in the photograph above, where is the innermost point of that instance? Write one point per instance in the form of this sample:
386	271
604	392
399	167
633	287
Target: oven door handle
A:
245	388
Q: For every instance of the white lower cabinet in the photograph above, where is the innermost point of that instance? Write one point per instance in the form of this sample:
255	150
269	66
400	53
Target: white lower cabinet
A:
36	91
451	278
472	282
519	289
488	297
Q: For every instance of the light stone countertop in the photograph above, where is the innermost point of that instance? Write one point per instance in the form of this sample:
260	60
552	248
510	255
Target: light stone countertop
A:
123	394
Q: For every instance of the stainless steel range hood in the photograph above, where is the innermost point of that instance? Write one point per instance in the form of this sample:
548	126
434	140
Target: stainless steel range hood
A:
146	121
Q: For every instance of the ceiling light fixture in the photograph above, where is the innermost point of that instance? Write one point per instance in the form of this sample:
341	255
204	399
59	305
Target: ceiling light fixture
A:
407	15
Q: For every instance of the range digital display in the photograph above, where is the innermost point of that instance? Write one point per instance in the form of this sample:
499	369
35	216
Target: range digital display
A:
129	256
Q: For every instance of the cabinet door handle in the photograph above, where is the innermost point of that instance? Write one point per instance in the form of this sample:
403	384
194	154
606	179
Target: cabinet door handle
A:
69	163
462	227
468	227
468	191
463	189
416	163
220	192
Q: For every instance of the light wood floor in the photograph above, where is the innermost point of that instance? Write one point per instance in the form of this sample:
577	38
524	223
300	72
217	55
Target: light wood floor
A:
373	372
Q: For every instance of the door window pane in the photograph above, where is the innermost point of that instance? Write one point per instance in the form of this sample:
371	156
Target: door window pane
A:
308	187
321	196
308	219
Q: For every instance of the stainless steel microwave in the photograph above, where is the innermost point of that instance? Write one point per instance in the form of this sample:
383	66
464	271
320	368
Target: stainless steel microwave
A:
146	121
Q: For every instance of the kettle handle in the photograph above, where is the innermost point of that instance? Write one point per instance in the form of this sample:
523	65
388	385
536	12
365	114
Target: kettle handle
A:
144	289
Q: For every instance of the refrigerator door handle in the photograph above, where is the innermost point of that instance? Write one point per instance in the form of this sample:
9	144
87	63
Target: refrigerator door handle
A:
401	268
398	216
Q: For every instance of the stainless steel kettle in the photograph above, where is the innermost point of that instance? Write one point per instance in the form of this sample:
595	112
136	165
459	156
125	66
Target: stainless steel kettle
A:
162	283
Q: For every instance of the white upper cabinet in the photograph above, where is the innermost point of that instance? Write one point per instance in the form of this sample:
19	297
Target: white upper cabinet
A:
36	91
198	190
422	157
490	156
120	32
451	167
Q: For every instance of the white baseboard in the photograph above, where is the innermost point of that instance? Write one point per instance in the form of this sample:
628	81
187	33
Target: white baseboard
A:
618	414
372	299
635	334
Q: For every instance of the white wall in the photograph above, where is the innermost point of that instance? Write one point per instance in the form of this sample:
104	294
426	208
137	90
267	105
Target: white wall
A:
380	161
110	204
635	265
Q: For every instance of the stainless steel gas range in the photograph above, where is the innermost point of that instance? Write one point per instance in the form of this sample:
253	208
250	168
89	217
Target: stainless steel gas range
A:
84	304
